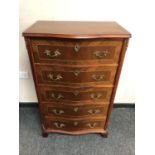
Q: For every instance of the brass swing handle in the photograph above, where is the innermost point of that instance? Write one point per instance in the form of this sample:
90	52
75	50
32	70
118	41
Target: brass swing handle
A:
59	125
59	96
95	96
94	111
98	77
53	54
93	125
55	77
101	54
58	112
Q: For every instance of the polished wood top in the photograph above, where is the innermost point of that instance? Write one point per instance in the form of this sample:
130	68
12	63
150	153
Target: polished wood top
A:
76	29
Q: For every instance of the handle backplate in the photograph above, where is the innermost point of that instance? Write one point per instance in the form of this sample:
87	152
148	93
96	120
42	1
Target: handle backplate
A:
97	77
94	111
91	125
58	112
57	97
59	125
53	54
55	78
102	54
95	96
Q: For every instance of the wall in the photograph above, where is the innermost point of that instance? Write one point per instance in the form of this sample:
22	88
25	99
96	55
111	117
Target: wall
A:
95	10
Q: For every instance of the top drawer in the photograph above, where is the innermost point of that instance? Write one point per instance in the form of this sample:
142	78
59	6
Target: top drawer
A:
76	51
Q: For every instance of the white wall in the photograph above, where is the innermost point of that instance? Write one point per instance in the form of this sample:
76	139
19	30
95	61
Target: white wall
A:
126	13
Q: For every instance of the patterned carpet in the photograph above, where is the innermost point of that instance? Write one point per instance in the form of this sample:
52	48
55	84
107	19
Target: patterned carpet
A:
120	141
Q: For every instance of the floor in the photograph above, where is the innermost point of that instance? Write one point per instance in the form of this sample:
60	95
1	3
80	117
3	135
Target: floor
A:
120	141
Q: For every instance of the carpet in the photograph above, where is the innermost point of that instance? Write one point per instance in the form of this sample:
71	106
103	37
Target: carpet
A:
120	141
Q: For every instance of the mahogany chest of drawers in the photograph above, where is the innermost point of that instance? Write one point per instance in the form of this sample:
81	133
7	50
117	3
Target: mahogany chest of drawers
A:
76	68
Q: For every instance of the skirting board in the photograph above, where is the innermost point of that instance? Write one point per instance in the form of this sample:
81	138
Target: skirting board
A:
116	105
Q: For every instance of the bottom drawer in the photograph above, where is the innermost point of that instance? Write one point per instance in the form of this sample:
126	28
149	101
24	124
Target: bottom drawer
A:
74	124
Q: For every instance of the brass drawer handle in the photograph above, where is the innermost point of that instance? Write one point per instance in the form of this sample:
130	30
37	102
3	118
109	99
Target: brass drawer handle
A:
59	125
97	77
58	112
59	96
95	96
92	111
91	125
101	54
77	47
55	78
56	53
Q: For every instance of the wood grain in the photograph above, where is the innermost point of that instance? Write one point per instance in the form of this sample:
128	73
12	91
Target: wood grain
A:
124	47
76	29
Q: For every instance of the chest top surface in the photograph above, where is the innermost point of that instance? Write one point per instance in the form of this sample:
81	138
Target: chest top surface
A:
76	29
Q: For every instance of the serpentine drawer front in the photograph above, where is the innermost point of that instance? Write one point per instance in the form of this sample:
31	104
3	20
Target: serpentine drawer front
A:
51	51
80	110
76	68
79	94
75	75
74	125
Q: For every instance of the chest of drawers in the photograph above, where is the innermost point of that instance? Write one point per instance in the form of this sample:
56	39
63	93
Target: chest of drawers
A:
76	68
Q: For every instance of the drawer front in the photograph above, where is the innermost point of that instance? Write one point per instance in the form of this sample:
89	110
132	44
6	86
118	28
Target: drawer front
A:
77	111
75	75
74	124
76	52
60	94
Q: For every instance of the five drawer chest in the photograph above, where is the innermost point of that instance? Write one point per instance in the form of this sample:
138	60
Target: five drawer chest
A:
76	68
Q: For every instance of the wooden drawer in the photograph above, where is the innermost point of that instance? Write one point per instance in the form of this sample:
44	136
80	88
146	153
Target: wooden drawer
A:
73	124
74	75
76	51
75	110
76	94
